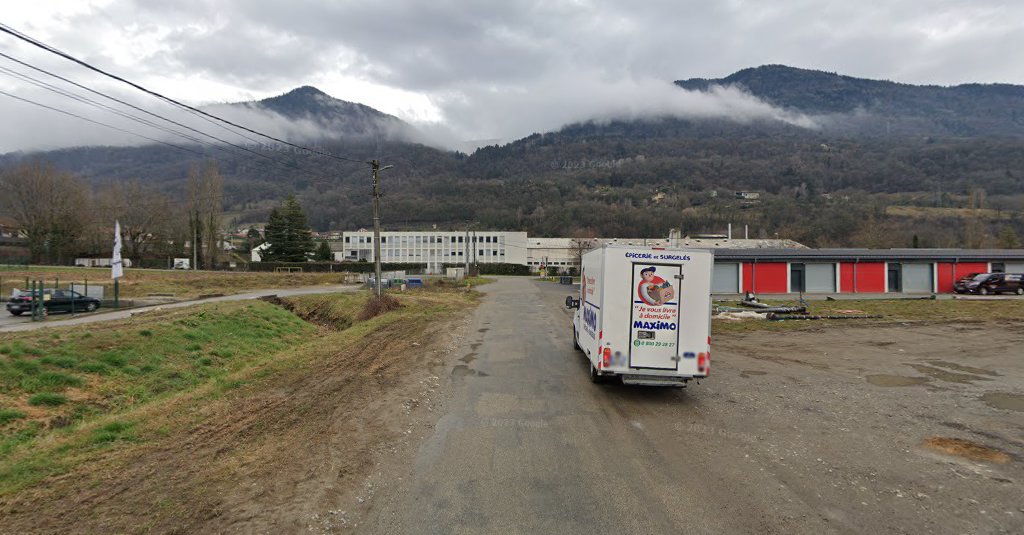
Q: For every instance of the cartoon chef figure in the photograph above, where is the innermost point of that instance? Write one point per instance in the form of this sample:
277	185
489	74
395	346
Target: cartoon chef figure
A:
654	290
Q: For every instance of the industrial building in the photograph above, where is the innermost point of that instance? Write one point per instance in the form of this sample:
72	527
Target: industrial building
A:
761	266
435	248
840	271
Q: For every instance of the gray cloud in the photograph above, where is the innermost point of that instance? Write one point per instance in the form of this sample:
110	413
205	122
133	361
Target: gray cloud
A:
506	69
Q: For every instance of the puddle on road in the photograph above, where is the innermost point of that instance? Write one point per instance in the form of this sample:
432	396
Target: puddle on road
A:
750	373
947	376
1001	400
965	448
463	371
895	380
468	358
962	368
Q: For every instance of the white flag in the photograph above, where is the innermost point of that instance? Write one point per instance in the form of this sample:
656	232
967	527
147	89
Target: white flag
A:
116	269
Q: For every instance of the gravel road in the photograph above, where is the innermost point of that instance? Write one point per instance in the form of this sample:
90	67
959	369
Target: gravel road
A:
843	429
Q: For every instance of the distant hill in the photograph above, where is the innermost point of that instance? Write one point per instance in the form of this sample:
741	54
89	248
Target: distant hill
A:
864	106
334	117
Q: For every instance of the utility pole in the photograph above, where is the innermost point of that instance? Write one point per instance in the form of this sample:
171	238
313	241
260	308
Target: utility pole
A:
195	242
467	251
376	168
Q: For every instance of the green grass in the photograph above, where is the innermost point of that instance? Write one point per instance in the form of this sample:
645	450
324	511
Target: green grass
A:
10	415
193	357
49	399
123	365
891	310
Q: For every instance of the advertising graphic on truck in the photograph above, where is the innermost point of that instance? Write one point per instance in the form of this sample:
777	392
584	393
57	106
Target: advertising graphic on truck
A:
643	315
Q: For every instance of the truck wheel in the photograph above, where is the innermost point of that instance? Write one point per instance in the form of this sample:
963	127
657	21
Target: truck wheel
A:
16	312
1020	291
594	376
575	341
983	291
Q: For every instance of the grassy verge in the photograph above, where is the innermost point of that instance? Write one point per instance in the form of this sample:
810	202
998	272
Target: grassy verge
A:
130	383
181	284
893	311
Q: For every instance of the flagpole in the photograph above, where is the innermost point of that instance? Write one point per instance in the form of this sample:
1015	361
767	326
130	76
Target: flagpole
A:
116	268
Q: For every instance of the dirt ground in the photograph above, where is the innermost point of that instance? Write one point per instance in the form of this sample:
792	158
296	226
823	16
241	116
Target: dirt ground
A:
277	460
470	427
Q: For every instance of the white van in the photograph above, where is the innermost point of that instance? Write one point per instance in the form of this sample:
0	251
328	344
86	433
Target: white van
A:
644	314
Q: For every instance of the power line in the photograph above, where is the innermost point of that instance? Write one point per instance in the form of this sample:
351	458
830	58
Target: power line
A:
112	127
91	102
39	44
147	122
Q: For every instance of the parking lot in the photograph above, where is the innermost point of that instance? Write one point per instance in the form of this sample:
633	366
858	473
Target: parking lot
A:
837	428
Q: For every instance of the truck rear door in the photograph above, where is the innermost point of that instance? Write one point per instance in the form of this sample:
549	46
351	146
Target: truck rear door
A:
654	317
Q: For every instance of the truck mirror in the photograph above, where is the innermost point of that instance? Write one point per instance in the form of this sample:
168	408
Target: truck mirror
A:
572	303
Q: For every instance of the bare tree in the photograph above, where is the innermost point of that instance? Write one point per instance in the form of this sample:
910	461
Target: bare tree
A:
206	200
50	207
140	209
582	241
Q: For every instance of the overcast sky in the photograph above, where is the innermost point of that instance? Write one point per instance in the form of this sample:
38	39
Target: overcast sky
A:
494	69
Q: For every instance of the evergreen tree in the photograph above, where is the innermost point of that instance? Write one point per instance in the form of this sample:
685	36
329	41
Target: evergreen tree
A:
323	252
287	235
1008	238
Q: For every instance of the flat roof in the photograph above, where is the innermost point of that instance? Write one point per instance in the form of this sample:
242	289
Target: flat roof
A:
870	255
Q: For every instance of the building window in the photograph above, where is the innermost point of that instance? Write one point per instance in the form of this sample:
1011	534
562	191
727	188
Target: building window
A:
998	267
460	239
383	239
347	238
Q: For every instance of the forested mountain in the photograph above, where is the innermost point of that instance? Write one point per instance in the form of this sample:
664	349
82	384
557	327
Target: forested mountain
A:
887	165
881	107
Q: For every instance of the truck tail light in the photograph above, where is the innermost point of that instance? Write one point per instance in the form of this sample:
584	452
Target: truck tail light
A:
607	356
702	362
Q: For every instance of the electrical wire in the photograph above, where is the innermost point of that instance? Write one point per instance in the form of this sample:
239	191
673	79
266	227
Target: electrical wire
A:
91	102
112	127
141	120
39	44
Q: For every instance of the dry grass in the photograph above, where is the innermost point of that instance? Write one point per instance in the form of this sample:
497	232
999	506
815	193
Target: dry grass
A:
965	448
194	357
138	283
891	310
377	305
935	211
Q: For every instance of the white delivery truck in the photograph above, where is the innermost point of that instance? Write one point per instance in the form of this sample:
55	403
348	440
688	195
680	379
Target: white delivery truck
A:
644	314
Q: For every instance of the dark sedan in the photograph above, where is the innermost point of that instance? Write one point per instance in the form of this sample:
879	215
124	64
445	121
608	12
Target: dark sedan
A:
53	301
991	283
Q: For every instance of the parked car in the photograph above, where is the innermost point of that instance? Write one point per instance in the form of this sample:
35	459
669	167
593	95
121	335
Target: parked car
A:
58	301
990	283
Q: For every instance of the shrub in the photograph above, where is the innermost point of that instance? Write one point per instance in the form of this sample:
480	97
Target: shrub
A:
378	305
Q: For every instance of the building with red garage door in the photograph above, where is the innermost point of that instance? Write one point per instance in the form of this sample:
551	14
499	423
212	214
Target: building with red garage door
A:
909	271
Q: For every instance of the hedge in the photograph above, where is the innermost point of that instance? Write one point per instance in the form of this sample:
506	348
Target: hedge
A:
367	267
339	267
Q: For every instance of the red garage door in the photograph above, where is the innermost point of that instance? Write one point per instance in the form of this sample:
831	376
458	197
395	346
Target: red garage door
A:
862	277
765	277
950	273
